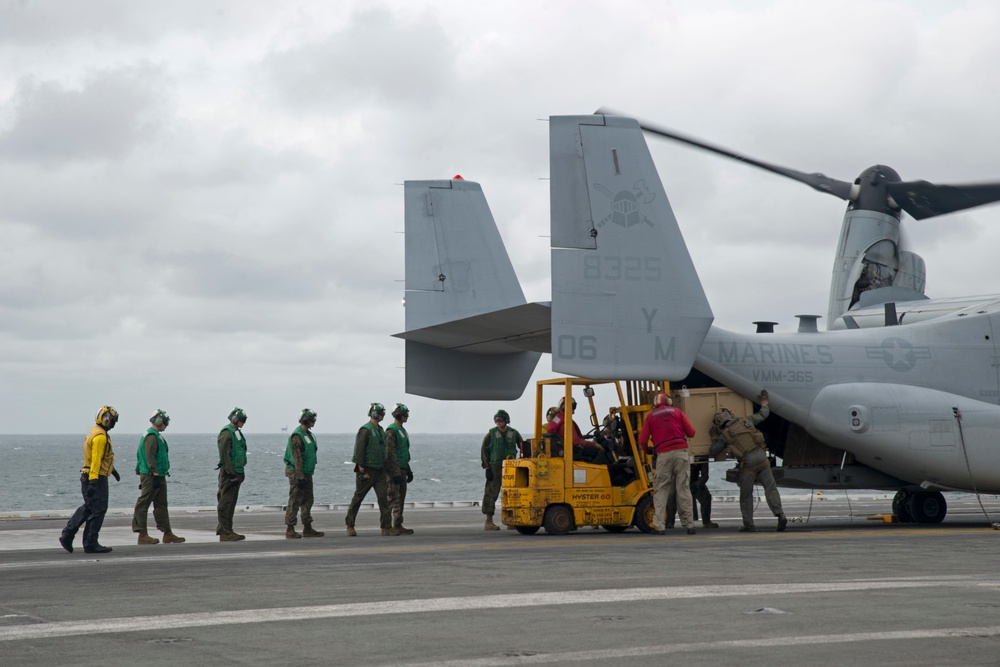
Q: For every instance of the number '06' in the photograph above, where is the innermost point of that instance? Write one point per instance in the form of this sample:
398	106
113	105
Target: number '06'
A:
577	347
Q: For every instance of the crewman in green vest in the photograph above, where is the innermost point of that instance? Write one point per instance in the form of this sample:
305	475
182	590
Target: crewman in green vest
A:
369	471
397	465
502	442
232	459
153	468
300	464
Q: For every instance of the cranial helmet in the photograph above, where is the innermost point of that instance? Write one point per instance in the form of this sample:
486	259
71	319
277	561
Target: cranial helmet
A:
502	414
562	403
376	409
399	411
237	416
551	412
108	412
662	399
160	418
307	418
722	417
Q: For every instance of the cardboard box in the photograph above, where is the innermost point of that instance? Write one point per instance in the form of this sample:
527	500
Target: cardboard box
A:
700	405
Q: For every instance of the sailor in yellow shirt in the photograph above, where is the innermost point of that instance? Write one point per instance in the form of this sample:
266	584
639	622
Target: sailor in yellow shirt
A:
98	463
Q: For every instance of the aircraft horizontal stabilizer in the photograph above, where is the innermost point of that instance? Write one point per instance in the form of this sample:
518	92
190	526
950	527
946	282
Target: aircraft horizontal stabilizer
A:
469	332
517	329
626	299
453	375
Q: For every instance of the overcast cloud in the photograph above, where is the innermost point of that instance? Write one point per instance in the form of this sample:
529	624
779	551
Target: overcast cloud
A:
201	202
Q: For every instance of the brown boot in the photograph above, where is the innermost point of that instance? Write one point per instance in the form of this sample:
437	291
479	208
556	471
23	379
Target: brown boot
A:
291	534
404	531
351	532
230	537
144	538
307	531
391	532
709	524
170	538
489	525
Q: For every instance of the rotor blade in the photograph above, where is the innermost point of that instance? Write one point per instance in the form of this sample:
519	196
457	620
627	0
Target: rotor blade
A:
925	200
816	181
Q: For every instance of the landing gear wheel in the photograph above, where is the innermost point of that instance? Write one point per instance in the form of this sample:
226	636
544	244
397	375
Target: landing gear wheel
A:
527	530
615	529
901	506
644	514
928	507
558	520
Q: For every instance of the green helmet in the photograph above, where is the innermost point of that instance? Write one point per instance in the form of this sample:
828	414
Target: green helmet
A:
237	416
307	418
400	410
160	418
110	413
376	409
502	414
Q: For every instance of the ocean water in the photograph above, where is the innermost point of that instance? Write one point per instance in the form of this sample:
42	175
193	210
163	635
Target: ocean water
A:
42	472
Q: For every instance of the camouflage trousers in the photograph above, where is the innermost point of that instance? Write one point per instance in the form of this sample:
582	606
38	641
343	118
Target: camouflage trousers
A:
755	468
227	497
299	500
158	497
492	490
397	496
375	479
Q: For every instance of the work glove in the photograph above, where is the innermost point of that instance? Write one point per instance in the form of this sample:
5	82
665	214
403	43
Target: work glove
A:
762	399
114	473
365	476
156	481
397	479
489	474
91	488
409	475
649	449
301	484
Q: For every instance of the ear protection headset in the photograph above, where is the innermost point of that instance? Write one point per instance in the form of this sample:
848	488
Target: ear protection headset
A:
110	413
308	417
375	409
399	411
160	418
237	416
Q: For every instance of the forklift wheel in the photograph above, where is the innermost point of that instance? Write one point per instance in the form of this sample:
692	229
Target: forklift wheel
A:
527	530
558	520
644	514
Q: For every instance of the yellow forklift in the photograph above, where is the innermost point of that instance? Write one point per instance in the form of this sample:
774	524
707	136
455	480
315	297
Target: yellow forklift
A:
554	486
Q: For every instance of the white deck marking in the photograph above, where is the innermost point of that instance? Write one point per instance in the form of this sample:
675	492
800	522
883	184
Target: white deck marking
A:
770	642
509	601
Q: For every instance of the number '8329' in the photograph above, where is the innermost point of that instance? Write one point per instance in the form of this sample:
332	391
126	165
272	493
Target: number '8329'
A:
612	267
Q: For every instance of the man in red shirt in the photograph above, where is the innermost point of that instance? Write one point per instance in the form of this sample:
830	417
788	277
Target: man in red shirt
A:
669	429
583	450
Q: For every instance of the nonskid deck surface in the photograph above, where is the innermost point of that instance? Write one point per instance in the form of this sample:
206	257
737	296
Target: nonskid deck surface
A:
835	586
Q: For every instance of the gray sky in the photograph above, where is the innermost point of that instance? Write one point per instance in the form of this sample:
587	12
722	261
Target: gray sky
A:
201	202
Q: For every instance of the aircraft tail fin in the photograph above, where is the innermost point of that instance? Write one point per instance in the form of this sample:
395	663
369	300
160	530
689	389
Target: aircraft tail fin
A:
457	269
626	299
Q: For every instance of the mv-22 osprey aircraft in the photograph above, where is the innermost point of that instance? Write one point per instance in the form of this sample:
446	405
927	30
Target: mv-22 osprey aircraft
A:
913	408
873	267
